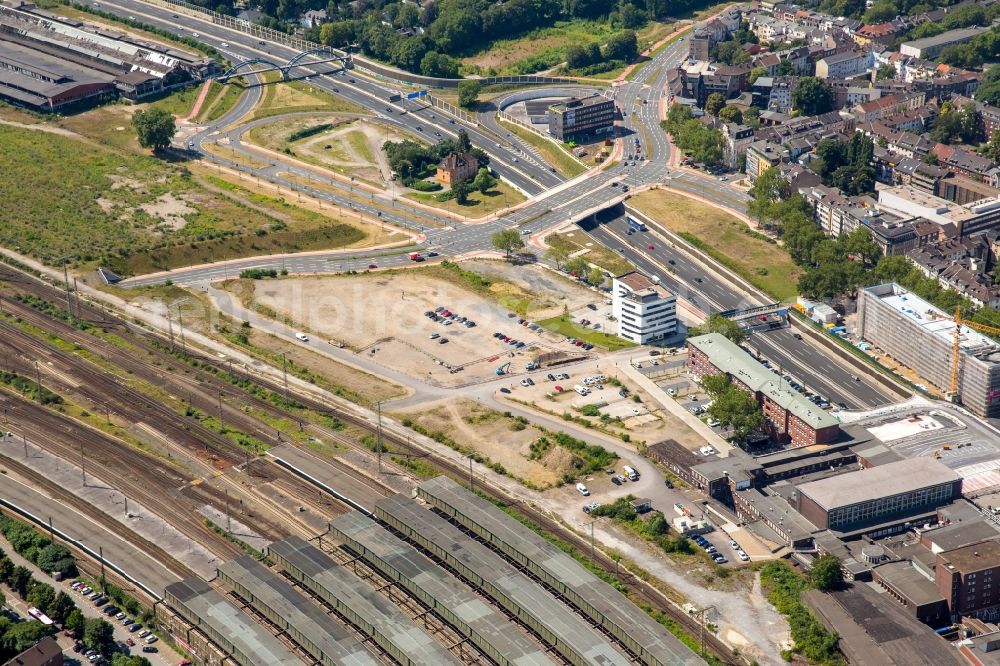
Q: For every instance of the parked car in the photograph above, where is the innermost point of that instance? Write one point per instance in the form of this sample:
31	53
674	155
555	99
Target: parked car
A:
504	389
582	489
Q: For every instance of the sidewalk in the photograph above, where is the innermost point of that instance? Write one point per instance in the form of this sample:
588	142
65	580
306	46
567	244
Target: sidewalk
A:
165	656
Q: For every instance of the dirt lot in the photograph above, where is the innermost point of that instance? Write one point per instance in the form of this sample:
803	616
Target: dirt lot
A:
502	439
541	293
382	315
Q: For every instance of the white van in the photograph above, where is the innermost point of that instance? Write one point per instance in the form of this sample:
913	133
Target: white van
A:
630	473
583	489
582	390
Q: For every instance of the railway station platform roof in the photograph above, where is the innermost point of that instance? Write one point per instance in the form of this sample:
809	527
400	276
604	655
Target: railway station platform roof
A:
603	603
490	629
307	624
567	631
373	613
226	625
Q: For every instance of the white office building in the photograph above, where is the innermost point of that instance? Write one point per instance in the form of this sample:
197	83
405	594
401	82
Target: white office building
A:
645	311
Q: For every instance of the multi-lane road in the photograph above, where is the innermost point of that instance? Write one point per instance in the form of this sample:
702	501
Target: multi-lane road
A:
553	202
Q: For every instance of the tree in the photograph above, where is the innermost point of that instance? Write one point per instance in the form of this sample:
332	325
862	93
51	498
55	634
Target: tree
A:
718	324
462	143
468	93
20	581
578	266
55	557
438	65
595	277
767	189
716	385
785	68
6	569
623	46
75	622
731	114
826	573
22	635
507	240
484	181
714	104
135	660
61	608
992	149
812	96
885	71
154	128
737	410
730	52
98	635
461	191
558	251
41	597
756	73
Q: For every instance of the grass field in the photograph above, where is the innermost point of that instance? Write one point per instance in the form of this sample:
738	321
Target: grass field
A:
296	96
596	254
221	98
479	204
726	238
563	325
134	213
554	154
180	102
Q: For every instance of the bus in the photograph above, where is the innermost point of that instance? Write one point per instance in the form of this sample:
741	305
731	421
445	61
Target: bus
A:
634	224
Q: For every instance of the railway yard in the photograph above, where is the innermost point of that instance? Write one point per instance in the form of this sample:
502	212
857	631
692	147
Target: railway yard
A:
220	457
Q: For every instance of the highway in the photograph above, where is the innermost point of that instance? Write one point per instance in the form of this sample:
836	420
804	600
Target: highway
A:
554	201
695	282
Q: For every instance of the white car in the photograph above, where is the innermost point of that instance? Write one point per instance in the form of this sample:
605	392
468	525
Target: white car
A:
302	336
582	489
743	556
225	45
712	423
734	545
672	393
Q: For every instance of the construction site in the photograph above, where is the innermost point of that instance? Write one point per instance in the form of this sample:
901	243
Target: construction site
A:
950	354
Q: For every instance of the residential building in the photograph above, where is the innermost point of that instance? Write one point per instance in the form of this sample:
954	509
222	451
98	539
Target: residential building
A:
909	202
457	167
931	47
880	34
920	336
878	496
45	652
699	45
987	117
969	580
844	65
858	95
313	18
892	235
644	309
789	416
737	137
579	117
889	105
968	164
761	156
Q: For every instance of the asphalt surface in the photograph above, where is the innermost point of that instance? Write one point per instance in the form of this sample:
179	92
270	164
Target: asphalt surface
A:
553	202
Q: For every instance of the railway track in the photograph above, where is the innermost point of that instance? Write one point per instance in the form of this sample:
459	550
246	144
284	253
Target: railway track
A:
201	381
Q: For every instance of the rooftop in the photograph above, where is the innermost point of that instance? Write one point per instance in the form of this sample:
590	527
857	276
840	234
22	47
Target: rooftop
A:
575	103
932	319
908	581
643	286
945	38
730	357
474	560
272	592
204	606
870	484
974	557
415	571
378	616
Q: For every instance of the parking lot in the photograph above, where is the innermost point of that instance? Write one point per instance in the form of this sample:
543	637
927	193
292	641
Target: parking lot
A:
960	442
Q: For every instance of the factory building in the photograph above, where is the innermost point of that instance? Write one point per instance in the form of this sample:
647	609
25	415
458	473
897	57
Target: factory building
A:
921	337
885	494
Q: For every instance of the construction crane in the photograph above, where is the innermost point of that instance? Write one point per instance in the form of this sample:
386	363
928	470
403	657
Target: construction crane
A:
956	345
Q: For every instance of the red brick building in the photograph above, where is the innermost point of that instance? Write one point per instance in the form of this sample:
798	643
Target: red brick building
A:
789	416
969	579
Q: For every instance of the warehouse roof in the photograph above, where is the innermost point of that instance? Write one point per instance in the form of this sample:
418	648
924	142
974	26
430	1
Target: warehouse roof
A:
729	357
329	638
559	566
415	571
202	605
874	483
974	557
385	619
948	37
537	606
